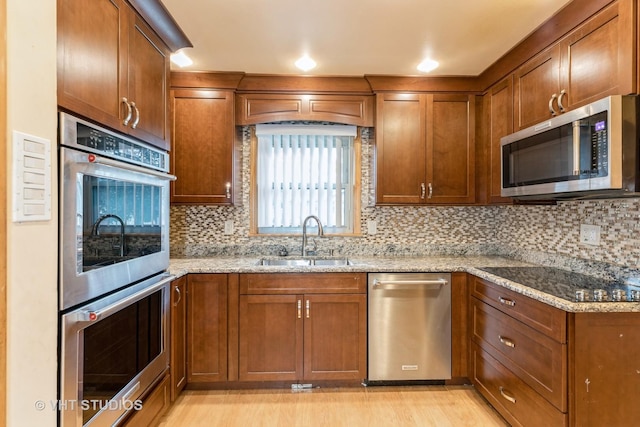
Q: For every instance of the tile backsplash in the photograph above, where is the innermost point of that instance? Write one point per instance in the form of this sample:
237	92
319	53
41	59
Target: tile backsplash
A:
548	234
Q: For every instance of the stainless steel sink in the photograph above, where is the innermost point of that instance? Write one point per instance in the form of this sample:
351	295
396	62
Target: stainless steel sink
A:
332	261
294	262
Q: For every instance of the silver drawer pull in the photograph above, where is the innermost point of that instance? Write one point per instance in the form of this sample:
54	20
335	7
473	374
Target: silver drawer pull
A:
507	341
299	309
506	396
505	301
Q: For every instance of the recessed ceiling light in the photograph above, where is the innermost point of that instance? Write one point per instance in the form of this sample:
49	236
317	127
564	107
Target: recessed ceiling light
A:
428	65
181	59
305	63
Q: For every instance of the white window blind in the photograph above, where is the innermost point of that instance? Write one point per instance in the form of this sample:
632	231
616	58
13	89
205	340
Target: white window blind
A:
305	170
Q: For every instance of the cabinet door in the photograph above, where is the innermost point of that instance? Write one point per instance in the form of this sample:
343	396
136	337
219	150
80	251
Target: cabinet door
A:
400	149
203	143
92	51
178	336
451	149
605	352
207	327
499	116
335	337
148	79
270	338
536	82
597	59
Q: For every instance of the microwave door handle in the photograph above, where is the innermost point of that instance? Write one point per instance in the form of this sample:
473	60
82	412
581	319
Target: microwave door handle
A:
108	162
576	148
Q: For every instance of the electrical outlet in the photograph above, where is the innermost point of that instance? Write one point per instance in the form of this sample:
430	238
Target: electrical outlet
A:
372	227
590	234
228	227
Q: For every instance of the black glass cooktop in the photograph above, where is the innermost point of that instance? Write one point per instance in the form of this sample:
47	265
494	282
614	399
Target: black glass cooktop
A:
564	284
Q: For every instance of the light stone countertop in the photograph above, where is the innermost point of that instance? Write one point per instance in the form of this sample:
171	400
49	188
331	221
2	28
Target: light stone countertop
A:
469	264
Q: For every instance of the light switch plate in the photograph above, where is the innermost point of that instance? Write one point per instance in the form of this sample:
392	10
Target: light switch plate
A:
228	227
31	178
590	234
372	227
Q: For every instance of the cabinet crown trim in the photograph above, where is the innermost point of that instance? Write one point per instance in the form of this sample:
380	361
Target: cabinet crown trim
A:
157	15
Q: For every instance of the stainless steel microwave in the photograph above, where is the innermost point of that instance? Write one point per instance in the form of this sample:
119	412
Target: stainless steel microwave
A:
590	152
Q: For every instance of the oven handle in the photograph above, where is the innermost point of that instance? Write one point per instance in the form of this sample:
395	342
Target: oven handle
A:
91	316
118	164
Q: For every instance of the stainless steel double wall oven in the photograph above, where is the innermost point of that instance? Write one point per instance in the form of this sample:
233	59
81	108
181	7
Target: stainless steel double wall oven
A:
114	289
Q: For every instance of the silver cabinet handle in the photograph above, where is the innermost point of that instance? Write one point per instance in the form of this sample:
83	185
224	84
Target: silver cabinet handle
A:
506	396
560	106
551	109
506	341
505	301
129	111
177	289
228	188
299	309
423	190
137	120
308	308
430	191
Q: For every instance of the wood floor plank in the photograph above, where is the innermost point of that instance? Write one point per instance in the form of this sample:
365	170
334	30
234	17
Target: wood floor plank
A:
437	406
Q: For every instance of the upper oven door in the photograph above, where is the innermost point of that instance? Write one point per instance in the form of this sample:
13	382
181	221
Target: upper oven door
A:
114	225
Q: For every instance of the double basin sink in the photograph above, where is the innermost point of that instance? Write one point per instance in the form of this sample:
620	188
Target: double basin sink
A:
304	261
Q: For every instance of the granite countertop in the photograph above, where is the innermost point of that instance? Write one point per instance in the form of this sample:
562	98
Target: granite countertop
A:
469	264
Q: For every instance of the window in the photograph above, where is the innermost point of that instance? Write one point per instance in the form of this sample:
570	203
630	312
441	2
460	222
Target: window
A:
303	170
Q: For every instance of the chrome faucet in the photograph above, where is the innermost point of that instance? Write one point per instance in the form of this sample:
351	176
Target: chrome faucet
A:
306	251
96	232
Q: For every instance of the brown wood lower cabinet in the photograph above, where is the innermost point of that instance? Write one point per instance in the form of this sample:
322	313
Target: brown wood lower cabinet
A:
154	405
315	335
178	361
207	327
605	378
518	403
539	365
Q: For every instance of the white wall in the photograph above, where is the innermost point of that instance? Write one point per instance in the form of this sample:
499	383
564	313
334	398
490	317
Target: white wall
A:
32	247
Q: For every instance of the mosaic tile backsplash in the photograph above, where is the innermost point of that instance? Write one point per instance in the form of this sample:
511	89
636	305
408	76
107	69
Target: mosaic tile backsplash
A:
547	234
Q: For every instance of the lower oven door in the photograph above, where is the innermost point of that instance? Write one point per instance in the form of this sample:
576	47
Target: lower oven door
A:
113	350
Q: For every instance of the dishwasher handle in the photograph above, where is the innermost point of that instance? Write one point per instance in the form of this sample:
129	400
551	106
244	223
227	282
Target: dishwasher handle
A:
409	284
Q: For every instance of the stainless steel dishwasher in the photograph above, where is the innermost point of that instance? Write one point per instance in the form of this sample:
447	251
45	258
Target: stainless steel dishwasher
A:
409	325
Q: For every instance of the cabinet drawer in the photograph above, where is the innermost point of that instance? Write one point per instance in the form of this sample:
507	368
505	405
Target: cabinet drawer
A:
549	320
537	359
297	283
518	403
154	405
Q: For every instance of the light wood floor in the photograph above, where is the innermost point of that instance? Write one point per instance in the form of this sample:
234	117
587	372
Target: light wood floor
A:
439	406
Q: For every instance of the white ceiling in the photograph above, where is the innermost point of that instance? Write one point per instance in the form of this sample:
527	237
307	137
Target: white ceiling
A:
355	37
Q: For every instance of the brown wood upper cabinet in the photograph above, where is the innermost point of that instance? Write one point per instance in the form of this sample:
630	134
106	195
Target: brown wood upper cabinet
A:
261	108
595	60
203	147
113	68
498	122
425	149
